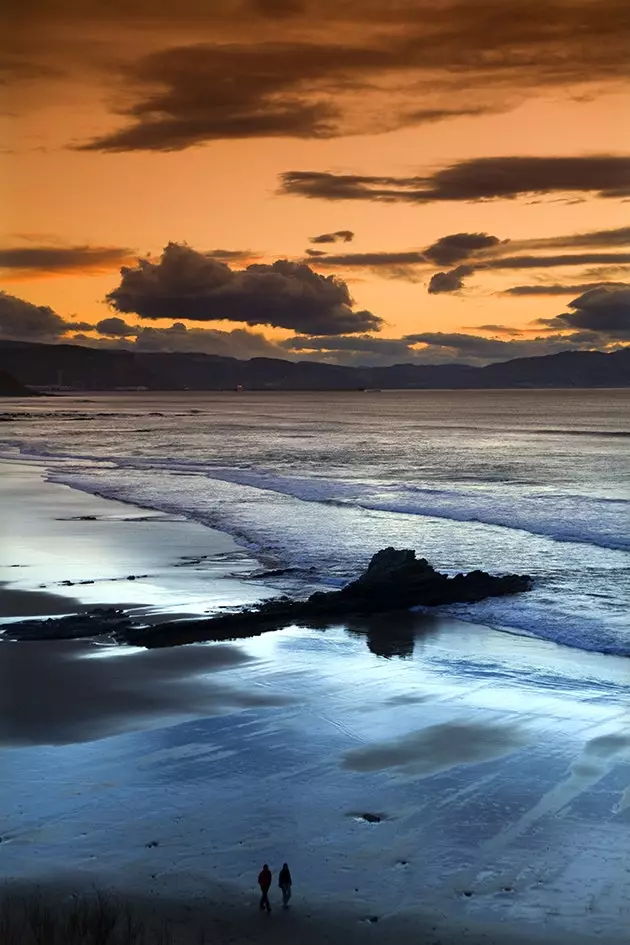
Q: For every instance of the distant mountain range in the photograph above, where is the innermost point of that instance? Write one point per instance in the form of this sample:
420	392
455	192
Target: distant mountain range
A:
74	367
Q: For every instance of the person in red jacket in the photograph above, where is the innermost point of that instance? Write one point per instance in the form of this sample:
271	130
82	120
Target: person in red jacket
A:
264	881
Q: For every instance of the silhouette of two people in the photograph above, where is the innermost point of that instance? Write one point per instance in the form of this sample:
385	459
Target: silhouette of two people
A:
284	882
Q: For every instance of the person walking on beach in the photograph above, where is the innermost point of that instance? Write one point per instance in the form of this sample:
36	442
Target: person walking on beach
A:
264	881
284	882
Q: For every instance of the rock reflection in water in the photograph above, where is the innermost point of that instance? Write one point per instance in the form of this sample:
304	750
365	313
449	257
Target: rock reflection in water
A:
390	635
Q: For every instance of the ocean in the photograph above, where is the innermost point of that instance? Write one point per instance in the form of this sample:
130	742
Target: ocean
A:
532	482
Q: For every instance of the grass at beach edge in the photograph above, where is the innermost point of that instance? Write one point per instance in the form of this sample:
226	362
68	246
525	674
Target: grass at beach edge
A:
88	919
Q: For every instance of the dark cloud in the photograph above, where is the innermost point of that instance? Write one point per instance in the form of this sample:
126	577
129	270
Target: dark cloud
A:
596	320
555	289
116	327
485	251
551	262
459	246
42	260
339	236
315	252
238	343
209	92
388	347
594	238
190	285
499	329
390	265
425	116
449	281
480	348
453	280
365	68
322	185
476	179
439	347
21	320
372	259
604	309
232	255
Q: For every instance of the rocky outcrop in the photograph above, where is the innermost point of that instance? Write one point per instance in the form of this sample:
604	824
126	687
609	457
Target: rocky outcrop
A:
99	621
397	580
394	580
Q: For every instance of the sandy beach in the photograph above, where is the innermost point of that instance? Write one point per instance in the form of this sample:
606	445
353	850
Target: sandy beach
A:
494	768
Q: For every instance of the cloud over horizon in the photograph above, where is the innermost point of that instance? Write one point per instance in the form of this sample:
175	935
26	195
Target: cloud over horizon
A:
604	309
21	320
597	321
435	348
186	284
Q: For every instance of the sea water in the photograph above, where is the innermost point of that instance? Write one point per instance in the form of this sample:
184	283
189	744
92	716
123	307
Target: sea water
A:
534	482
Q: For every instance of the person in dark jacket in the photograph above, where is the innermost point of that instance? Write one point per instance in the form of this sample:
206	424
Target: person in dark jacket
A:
264	881
284	882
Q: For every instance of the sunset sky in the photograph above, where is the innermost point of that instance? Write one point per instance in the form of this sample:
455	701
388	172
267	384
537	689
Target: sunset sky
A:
426	180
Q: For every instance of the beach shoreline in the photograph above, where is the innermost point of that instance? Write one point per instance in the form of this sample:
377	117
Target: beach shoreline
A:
71	551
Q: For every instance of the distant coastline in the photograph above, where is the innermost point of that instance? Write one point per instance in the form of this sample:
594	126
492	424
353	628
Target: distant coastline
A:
68	368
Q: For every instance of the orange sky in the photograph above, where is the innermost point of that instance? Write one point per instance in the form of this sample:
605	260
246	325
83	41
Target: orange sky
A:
223	192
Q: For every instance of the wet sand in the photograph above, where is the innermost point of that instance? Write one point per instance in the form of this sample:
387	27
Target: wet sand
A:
29	603
494	769
225	915
64	550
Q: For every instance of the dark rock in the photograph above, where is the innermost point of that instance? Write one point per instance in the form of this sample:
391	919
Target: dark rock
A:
394	581
96	622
